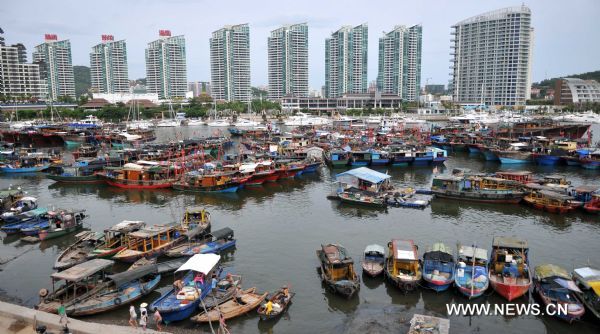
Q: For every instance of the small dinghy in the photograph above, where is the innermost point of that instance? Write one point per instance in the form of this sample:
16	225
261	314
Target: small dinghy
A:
77	252
280	302
373	260
231	308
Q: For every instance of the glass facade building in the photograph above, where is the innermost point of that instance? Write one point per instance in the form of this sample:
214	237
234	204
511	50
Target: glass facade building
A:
166	70
230	63
108	66
288	61
346	61
56	67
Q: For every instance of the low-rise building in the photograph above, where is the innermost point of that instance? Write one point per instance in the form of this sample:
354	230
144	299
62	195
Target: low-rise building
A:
345	102
574	90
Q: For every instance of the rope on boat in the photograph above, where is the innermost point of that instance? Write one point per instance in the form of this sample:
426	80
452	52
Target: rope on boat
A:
205	311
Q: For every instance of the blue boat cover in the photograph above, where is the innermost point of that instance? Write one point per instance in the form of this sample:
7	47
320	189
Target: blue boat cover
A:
366	174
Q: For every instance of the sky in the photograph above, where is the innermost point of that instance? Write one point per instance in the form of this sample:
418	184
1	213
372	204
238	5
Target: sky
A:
566	33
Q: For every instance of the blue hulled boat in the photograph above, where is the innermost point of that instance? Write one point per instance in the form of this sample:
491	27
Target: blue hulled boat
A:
471	275
438	267
23	220
180	304
220	240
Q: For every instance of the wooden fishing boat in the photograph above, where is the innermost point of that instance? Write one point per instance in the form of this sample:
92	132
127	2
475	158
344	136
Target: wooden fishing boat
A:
402	265
593	206
373	260
23	220
477	189
85	151
62	222
225	291
179	303
146	175
196	217
199	181
471	274
215	242
120	290
379	158
551	201
523	177
75	175
281	301
554	286
150	241
79	282
509	272
231	308
26	164
22	205
588	281
287	169
337	158
360	158
438	267
401	156
337	270
115	239
259	173
517	153
78	251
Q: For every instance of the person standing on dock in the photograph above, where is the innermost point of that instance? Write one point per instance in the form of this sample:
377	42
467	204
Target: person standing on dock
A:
157	319
63	315
132	316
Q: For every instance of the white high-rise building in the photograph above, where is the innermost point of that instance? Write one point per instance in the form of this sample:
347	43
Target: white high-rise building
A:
492	55
400	62
288	61
18	79
166	70
108	66
346	61
230	63
56	67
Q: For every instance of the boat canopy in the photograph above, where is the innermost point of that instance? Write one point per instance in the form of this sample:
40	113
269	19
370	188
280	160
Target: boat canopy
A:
589	277
510	242
555	195
223	233
362	173
377	249
567	284
335	254
82	270
468	251
202	263
127	226
587	188
28	199
132	166
150	231
190	234
550	270
404	250
438	256
133	274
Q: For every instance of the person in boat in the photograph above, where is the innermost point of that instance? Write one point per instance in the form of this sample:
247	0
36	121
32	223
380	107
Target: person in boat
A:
199	279
238	296
132	316
269	307
511	270
178	285
213	284
285	296
203	215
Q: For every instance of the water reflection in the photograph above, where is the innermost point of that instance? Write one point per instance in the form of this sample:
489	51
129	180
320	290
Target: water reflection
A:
408	299
372	282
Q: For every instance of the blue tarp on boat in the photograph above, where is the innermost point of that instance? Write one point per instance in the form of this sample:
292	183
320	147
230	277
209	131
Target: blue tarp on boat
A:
365	174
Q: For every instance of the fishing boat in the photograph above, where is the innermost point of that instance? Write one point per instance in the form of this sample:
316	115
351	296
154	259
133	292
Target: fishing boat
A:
509	272
477	188
402	265
380	158
337	270
121	289
593	206
85	151
287	169
141	175
62	222
438	267
183	299
280	300
551	201
259	172
588	281
150	241
74	175
517	153
196	217
202	181
363	186
22	205
225	290
26	164
373	260
523	177
360	158
79	282
24	220
78	251
471	274
337	158
231	309
591	160
8	197
215	242
115	239
401	156
554	286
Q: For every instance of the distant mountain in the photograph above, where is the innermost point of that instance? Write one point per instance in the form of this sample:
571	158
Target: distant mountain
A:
83	80
586	76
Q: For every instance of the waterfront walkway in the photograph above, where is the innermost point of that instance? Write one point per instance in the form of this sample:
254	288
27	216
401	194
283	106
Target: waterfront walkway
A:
15	319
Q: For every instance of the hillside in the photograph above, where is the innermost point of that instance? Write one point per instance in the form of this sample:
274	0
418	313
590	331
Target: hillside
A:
83	81
586	76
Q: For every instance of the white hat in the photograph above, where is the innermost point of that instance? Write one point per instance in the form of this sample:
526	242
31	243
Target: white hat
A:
144	305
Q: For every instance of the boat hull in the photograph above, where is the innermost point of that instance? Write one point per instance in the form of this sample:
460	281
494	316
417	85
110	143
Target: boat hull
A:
510	291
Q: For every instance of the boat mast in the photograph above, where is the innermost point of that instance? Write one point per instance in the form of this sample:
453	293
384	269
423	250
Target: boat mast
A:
473	270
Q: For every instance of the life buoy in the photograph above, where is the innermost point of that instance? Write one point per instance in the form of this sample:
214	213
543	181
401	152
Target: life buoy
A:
43	292
118	301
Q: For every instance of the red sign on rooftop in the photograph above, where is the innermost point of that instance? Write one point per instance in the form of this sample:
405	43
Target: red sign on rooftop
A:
166	33
106	38
50	37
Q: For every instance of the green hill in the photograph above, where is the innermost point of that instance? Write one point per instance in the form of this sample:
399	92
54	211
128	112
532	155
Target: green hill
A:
83	80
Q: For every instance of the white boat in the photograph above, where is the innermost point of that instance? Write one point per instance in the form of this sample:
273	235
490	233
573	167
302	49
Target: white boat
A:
304	119
374	120
475	117
141	124
219	123
168	123
586	117
245	123
195	122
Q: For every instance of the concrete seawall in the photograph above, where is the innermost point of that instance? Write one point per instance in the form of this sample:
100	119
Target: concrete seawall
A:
15	319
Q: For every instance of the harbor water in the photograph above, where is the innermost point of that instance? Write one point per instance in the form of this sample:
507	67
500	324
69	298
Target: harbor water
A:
279	226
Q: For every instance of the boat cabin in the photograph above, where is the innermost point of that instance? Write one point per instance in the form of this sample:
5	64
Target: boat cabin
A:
523	177
62	219
556	179
143	172
152	237
548	198
473	183
117	234
195	216
472	256
585	193
403	258
337	262
364	179
509	256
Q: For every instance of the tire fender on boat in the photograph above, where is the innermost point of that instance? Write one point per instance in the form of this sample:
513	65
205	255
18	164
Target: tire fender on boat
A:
118	301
